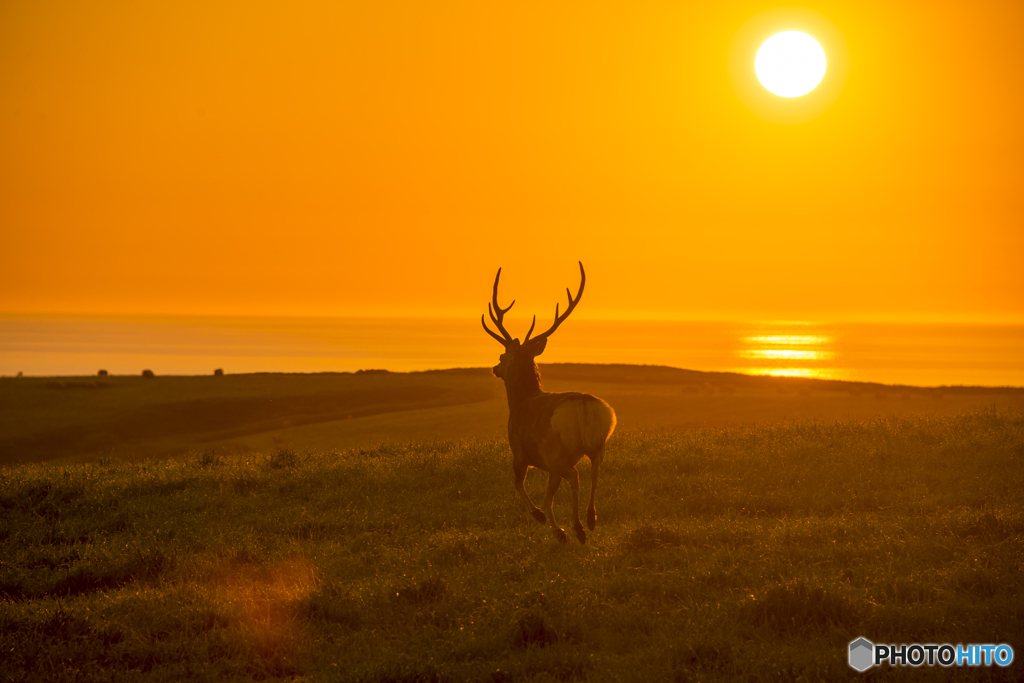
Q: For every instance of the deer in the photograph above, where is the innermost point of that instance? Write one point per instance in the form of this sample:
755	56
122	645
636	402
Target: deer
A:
549	431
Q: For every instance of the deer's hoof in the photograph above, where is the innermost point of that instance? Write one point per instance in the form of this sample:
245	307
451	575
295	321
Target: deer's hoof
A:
591	519
539	516
581	535
560	535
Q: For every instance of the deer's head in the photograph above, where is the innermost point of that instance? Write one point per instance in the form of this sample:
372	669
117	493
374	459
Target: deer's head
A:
519	356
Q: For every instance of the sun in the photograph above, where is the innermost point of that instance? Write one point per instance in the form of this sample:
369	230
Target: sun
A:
790	64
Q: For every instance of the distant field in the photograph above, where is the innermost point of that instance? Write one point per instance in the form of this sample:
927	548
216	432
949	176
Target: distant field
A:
91	417
744	553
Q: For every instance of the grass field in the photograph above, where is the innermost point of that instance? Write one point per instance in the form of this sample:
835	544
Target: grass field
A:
738	553
83	418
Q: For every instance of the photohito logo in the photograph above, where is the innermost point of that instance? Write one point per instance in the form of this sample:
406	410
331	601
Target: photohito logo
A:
864	654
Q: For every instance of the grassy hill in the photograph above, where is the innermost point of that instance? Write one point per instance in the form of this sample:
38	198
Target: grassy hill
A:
744	553
87	418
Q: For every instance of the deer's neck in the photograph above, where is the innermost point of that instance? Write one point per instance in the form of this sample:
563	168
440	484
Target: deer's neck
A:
521	383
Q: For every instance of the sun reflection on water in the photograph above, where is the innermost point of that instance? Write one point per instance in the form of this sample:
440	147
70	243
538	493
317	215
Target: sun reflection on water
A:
790	339
788	354
779	354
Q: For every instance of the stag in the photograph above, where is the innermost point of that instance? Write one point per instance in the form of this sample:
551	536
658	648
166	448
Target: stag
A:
549	431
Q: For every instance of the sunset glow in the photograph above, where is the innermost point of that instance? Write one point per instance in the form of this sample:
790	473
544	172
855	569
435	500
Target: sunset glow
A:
355	159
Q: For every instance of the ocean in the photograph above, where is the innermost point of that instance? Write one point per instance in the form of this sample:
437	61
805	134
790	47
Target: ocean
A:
891	353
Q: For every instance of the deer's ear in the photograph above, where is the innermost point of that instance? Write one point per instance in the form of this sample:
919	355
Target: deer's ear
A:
536	346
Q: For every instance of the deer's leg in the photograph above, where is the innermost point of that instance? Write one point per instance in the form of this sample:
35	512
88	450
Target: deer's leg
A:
595	466
520	470
554	480
573	477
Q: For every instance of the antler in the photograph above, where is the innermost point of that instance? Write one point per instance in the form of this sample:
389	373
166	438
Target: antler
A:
559	318
499	317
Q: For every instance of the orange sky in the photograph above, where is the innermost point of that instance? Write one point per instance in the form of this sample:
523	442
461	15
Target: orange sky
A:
385	158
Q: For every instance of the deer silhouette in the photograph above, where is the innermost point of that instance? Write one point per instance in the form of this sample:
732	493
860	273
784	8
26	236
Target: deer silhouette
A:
549	431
